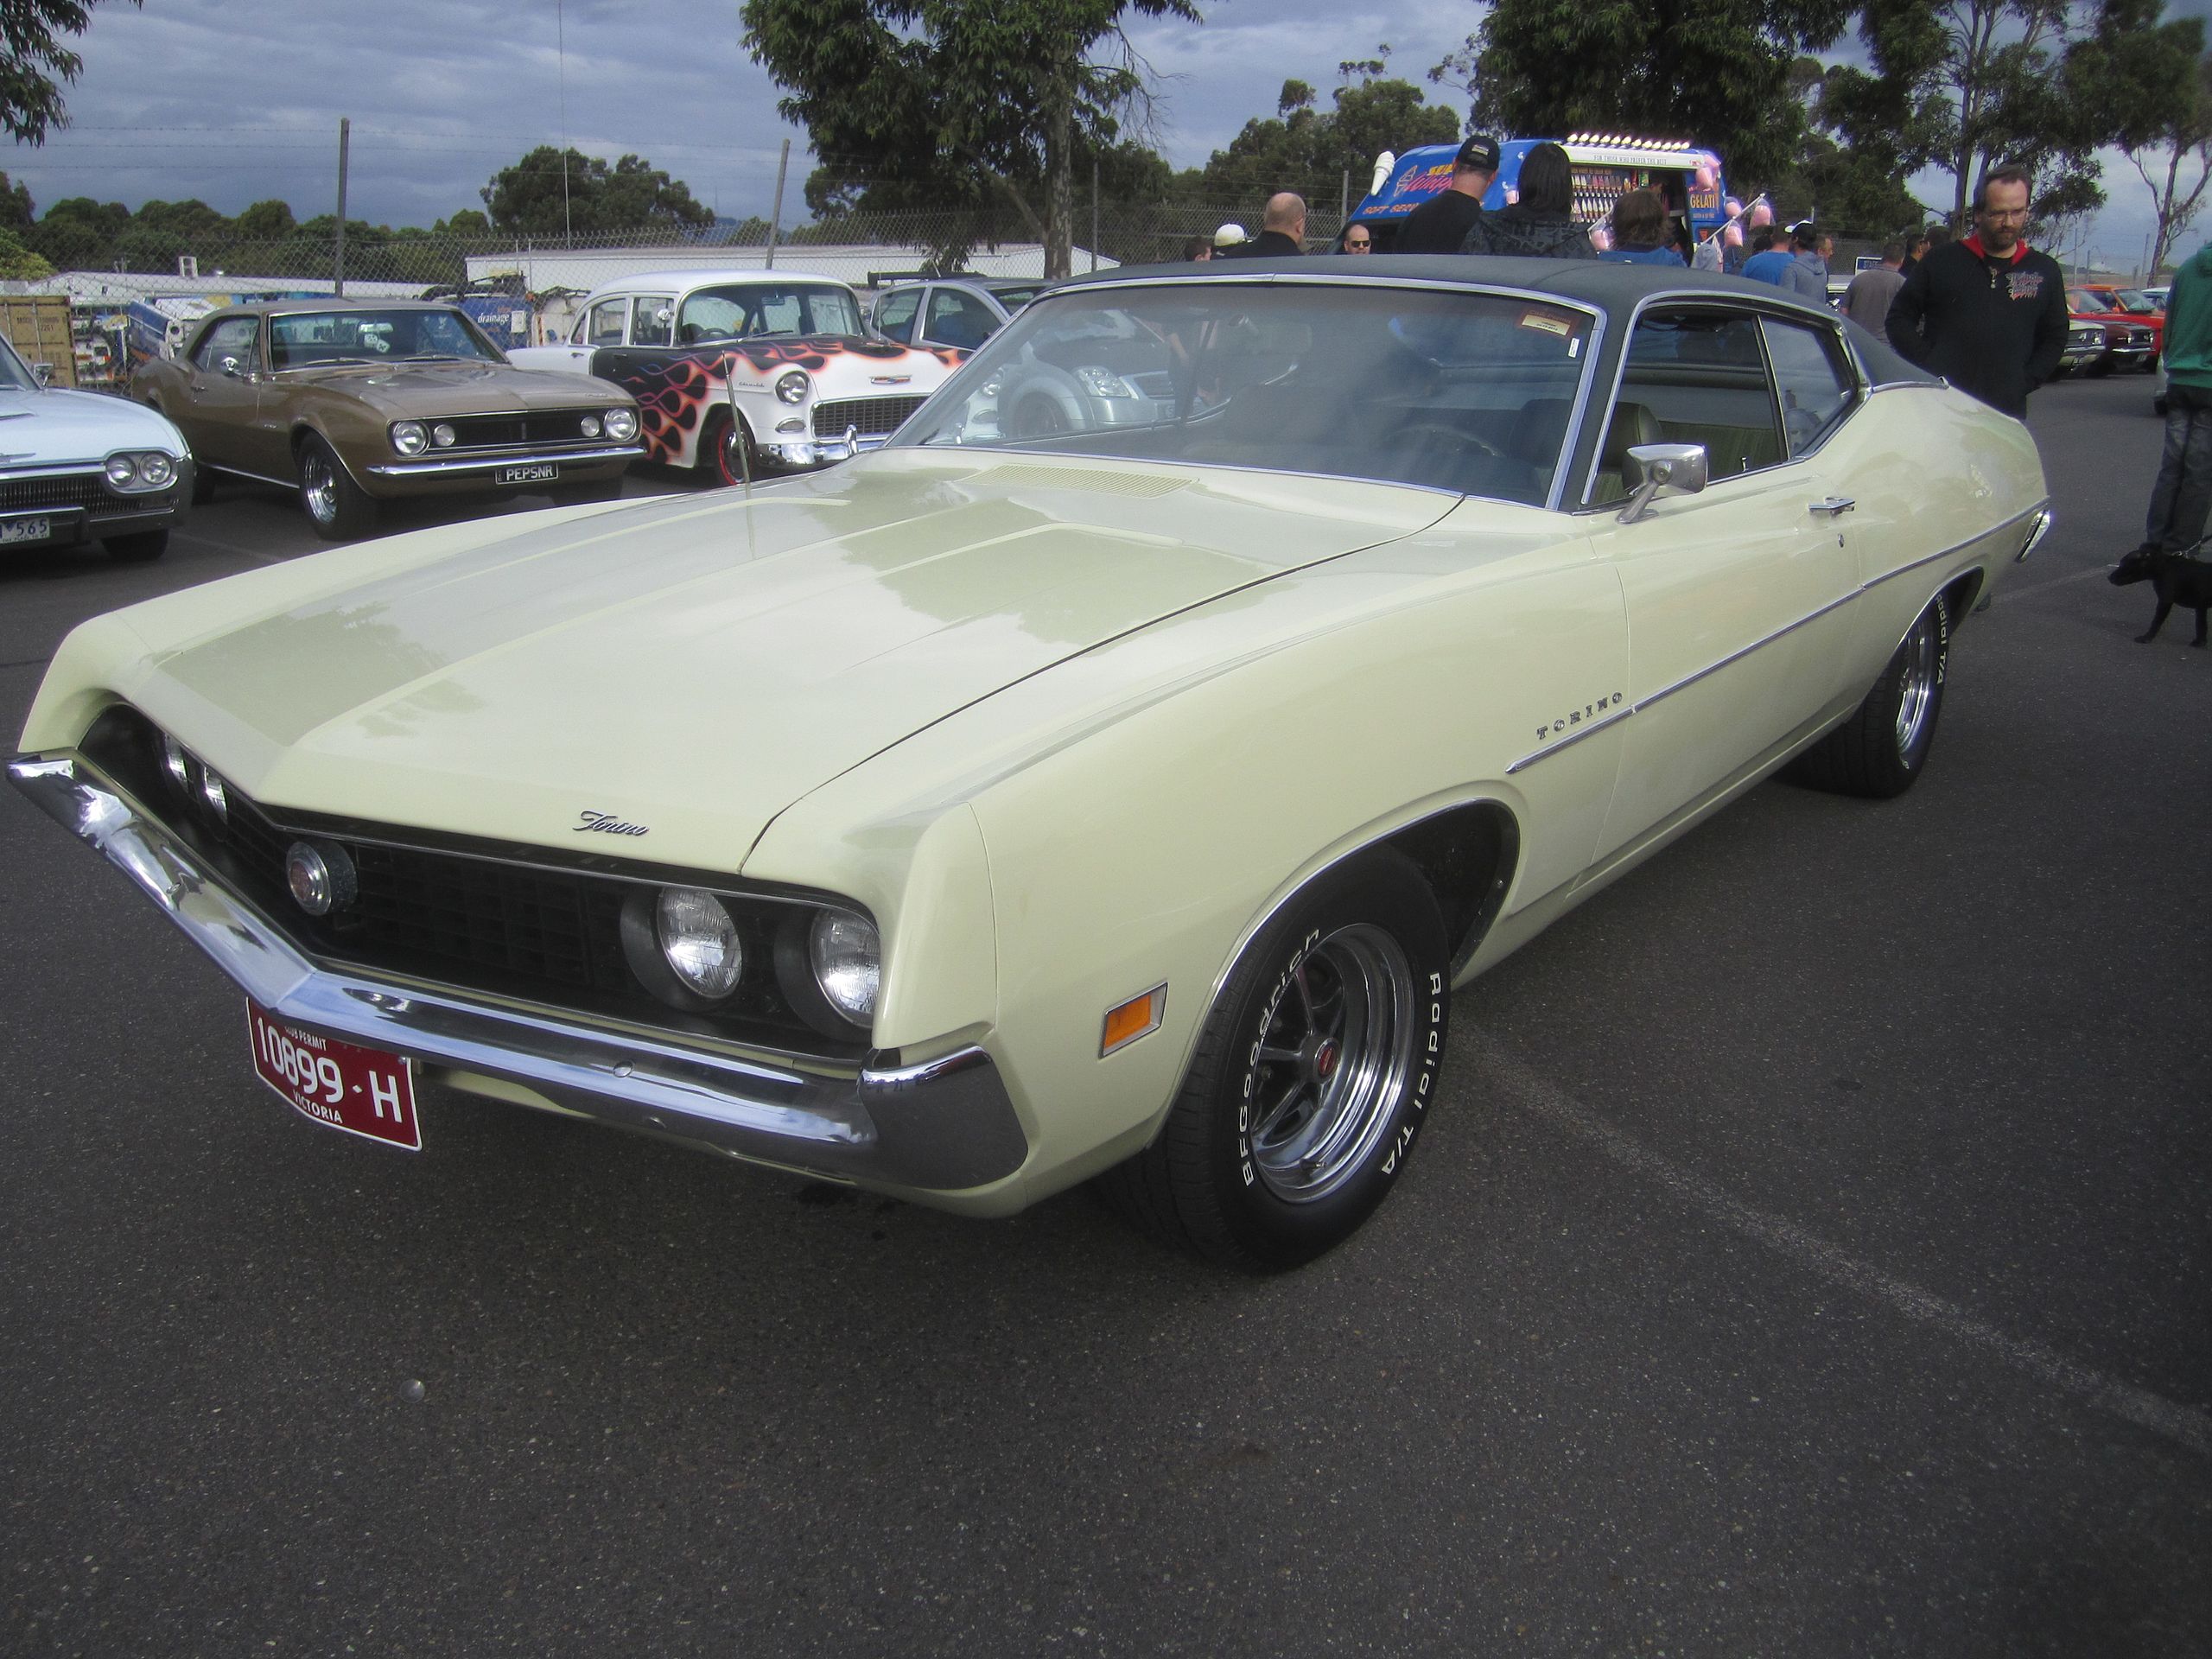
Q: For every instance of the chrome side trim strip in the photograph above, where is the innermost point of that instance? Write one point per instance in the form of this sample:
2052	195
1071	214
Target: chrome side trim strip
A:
491	463
1570	740
944	1125
1688	680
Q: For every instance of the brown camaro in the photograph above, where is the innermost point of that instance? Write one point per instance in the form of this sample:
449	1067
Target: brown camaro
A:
352	402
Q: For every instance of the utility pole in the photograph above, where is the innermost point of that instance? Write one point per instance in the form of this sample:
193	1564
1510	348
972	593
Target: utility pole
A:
1094	212
776	224
1343	199
338	256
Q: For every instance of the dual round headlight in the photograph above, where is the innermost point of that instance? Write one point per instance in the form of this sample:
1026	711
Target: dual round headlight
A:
410	437
686	947
136	472
196	782
793	387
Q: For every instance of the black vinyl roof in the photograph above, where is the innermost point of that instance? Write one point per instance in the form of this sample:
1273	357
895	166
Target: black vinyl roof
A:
1608	285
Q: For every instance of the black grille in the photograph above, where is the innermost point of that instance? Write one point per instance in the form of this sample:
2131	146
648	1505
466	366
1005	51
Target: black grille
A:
87	490
533	432
528	931
869	416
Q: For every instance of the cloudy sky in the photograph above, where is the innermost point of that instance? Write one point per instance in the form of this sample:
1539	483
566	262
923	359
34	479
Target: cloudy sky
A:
233	101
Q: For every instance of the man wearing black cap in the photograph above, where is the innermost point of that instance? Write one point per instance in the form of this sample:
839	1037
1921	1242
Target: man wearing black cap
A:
1440	224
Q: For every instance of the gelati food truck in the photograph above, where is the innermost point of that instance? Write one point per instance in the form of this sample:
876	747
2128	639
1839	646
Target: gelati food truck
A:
1605	166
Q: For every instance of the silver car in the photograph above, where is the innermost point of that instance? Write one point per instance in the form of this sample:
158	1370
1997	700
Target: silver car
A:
77	466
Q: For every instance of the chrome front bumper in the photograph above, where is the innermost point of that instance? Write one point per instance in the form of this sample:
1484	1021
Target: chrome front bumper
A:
943	1126
821	452
463	467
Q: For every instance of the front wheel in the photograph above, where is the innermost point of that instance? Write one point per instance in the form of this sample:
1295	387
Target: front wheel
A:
1315	1071
340	509
726	453
1879	751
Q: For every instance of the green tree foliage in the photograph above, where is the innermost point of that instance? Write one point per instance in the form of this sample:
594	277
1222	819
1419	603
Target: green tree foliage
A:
963	104
2152	84
1322	154
272	220
1714	70
18	263
14	206
34	61
78	233
533	198
467	222
1968	85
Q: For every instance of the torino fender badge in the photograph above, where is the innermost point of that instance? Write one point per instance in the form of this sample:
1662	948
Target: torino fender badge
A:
605	823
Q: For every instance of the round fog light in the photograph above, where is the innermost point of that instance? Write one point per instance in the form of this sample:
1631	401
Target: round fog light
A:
699	941
590	425
320	878
443	435
848	963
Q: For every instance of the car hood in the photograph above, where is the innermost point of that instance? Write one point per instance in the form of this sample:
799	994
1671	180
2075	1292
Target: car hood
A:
694	665
53	426
455	388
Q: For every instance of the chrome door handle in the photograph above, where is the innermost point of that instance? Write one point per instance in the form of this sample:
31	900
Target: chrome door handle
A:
1831	504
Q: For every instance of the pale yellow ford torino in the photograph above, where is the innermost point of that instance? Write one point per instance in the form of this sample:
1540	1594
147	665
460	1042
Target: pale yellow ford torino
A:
989	813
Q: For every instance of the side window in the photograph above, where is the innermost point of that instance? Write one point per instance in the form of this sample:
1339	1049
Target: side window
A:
654	323
1814	388
895	314
1692	378
957	318
606	328
232	337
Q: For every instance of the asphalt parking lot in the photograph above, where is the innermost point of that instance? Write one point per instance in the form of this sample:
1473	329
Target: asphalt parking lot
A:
1813	1255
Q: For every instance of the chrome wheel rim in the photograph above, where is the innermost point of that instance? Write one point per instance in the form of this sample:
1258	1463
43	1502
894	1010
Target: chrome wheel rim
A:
1916	685
319	486
1332	1066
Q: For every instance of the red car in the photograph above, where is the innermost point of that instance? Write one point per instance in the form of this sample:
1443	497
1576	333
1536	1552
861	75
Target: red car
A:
2109	303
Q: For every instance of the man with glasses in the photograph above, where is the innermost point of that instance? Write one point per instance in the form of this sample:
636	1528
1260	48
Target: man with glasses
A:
1357	240
1987	312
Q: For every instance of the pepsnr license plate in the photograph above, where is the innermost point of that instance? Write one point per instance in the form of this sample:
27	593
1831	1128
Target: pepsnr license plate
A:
364	1092
542	472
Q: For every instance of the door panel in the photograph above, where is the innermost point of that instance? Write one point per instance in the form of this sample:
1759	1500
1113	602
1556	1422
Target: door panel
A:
1740	609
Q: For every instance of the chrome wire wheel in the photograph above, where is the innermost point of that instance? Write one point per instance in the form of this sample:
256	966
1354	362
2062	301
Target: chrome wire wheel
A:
1918	677
319	485
1332	1064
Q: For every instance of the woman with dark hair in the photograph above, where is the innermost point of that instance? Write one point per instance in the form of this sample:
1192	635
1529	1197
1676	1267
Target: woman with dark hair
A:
1537	223
1640	232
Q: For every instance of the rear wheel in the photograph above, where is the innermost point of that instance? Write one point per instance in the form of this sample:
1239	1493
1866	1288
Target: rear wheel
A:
1313	1076
1879	751
1038	417
340	509
146	546
727	452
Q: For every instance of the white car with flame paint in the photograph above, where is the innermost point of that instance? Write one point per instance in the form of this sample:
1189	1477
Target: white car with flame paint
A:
742	373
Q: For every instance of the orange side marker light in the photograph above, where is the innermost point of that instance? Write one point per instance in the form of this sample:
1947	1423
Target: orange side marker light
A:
1139	1017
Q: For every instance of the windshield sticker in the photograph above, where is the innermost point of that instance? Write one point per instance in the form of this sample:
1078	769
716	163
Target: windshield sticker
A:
1558	325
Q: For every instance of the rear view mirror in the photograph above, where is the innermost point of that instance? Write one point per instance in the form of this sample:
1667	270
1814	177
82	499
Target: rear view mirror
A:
1679	469
43	372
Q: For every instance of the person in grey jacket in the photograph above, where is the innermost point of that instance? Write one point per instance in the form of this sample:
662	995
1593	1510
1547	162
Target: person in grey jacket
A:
1539	223
1807	273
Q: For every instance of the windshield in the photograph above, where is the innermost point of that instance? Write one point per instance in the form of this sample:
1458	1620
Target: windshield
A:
303	339
2130	299
743	311
1015	296
1458	391
15	373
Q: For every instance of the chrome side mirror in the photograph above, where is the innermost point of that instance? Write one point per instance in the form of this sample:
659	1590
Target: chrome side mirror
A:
1677	468
229	366
43	374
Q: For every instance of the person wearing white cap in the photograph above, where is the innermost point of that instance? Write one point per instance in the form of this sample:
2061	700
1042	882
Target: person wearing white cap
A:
1230	235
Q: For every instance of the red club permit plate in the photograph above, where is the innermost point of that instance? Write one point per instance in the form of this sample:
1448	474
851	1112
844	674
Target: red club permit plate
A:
364	1092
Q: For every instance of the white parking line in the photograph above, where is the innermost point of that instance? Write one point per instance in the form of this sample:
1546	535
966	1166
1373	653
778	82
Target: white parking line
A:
2181	1424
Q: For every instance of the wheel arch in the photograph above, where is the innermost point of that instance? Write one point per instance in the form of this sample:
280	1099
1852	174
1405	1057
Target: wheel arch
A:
303	429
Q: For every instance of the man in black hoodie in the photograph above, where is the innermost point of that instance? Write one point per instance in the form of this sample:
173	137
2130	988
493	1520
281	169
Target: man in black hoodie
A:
1988	313
1539	224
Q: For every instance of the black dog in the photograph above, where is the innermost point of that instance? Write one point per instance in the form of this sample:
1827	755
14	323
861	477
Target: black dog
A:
2176	578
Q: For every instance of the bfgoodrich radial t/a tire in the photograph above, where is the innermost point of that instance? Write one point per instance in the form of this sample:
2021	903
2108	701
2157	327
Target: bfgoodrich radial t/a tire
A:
1316	1071
1881	750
